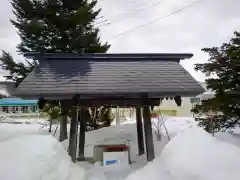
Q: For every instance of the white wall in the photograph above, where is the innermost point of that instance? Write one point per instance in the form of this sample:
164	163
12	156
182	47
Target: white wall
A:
183	110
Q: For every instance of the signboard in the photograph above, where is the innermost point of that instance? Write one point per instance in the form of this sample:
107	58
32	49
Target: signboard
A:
115	158
111	162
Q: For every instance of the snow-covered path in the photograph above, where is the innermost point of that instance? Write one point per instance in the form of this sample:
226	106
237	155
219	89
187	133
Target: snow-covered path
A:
10	131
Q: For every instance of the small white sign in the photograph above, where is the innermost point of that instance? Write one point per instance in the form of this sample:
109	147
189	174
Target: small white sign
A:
115	158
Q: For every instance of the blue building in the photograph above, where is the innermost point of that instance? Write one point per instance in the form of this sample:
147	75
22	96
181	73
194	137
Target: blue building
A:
18	106
12	105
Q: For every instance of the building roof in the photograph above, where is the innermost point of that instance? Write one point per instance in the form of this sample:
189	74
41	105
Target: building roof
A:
110	75
17	102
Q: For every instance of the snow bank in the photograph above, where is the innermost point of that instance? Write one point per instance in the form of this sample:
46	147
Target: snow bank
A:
36	157
229	137
193	154
174	125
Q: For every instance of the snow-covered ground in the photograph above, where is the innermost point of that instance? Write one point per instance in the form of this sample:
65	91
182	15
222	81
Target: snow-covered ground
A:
191	153
36	157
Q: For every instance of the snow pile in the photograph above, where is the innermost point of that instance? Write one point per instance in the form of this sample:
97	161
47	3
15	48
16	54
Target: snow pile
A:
193	154
36	157
174	125
229	137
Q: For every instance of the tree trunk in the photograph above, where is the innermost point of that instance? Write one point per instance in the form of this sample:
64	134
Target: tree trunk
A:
139	131
82	130
50	126
73	135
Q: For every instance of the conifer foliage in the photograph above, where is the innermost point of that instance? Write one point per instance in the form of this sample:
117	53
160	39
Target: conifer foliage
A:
223	78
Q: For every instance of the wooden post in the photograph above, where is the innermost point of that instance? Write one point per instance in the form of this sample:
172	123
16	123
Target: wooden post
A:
148	129
50	126
73	134
82	130
63	121
139	131
117	116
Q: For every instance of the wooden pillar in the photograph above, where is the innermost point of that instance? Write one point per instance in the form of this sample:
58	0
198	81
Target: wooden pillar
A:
139	131
148	129
50	126
63	120
73	133
117	116
82	131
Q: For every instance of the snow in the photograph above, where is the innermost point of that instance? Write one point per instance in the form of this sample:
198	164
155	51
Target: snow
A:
191	153
38	157
97	172
10	131
229	137
20	120
174	125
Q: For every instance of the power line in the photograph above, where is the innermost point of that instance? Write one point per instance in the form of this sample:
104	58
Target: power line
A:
107	22
131	11
157	19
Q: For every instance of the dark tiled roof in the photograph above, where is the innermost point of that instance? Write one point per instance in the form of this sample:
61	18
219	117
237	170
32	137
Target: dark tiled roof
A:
110	77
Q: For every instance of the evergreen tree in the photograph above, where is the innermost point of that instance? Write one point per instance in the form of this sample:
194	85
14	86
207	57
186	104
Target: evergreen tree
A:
52	26
223	72
17	70
57	26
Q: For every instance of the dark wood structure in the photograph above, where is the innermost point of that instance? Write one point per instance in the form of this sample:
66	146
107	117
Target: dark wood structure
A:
89	80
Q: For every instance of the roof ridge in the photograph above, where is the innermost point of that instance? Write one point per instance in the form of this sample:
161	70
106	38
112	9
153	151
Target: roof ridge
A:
124	56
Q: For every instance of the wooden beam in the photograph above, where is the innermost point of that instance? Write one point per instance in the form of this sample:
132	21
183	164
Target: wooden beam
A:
148	129
139	131
73	132
121	102
82	130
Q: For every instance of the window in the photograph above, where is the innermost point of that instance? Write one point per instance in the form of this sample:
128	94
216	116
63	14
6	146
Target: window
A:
24	109
13	109
34	109
10	108
195	100
5	109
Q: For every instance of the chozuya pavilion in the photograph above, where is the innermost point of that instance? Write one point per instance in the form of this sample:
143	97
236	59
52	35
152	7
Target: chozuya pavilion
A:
89	80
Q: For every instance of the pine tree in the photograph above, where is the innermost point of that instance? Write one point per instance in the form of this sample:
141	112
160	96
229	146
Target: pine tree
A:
57	26
223	72
53	26
17	70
